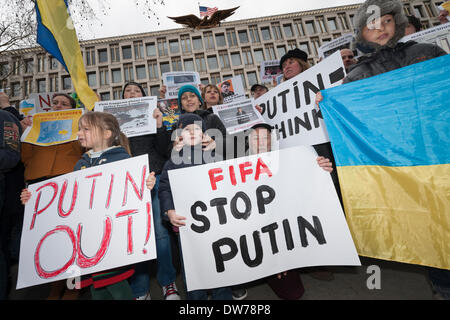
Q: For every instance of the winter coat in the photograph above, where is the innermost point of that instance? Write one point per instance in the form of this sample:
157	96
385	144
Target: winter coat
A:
388	59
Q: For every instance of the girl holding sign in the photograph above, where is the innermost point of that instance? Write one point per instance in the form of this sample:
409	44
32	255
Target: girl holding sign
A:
99	132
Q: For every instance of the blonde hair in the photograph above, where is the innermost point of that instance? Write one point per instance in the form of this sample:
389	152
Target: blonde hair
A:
304	64
204	106
103	121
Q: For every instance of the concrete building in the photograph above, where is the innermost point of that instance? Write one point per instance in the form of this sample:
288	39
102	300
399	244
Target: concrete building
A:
234	49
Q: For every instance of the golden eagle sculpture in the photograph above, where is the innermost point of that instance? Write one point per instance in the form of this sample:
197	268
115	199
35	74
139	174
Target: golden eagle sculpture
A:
192	21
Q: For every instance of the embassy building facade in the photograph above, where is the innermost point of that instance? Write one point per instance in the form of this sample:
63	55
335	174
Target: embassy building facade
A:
233	49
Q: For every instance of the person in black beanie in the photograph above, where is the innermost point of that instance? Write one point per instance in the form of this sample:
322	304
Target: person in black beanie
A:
155	146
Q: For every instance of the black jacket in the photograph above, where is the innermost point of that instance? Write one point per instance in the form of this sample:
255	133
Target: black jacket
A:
110	155
388	59
10	132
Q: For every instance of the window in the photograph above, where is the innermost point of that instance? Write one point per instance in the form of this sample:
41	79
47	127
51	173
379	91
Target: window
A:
126	52
138	50
104	76
287	28
259	55
215	78
54	63
115	54
116	75
299	28
316	45
265	32
29	66
144	86
140	72
310	27
90	56
164	67
429	9
304	46
292	44
176	64
92	79
102	55
189	65
418	11
128	72
240	73
174	46
28	86
200	63
41	86
321	24
15	89
41	63
154	91
224	59
254	34
204	81
4	70
151	49
220	40
276	31
247	54
243	36
252	78
231	37
66	83
186	43
162	47
198	44
281	51
209	42
212	62
236	59
153	69
105	96
54	83
117	93
343	20
332	26
270	52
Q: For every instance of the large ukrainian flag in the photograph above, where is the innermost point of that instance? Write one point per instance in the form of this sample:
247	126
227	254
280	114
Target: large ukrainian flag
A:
56	34
391	142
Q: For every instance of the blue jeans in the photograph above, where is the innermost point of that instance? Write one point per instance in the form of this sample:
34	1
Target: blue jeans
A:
223	293
166	273
440	281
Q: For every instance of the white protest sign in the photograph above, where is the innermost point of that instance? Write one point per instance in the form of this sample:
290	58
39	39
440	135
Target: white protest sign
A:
175	80
438	35
290	106
238	116
335	44
36	103
270	70
252	217
91	220
232	89
135	115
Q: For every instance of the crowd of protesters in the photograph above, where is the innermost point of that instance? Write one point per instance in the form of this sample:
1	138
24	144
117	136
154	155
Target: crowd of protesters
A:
22	163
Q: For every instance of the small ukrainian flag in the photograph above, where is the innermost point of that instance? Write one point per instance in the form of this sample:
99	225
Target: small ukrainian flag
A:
391	142
56	34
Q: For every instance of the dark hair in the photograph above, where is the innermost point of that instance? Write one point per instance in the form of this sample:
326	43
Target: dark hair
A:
415	22
105	121
204	93
73	103
132	83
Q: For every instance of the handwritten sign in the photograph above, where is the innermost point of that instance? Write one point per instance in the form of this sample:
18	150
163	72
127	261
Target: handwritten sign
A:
252	217
290	107
90	220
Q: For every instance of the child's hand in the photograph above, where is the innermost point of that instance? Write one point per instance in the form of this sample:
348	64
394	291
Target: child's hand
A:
208	143
178	143
151	181
319	98
25	196
176	220
157	114
325	164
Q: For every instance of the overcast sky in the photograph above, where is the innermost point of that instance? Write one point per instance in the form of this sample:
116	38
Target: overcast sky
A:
125	18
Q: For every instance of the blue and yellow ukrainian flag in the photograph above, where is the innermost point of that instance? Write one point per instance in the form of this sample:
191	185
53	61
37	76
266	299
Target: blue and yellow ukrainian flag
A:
56	34
390	136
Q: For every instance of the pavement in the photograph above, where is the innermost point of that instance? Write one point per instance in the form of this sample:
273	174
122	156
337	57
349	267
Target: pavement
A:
386	281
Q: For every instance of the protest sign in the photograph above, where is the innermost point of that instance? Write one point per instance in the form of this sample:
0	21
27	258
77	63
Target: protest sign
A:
175	80
87	221
334	45
36	103
232	89
270	70
170	110
438	35
238	116
52	128
252	217
135	115
290	106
